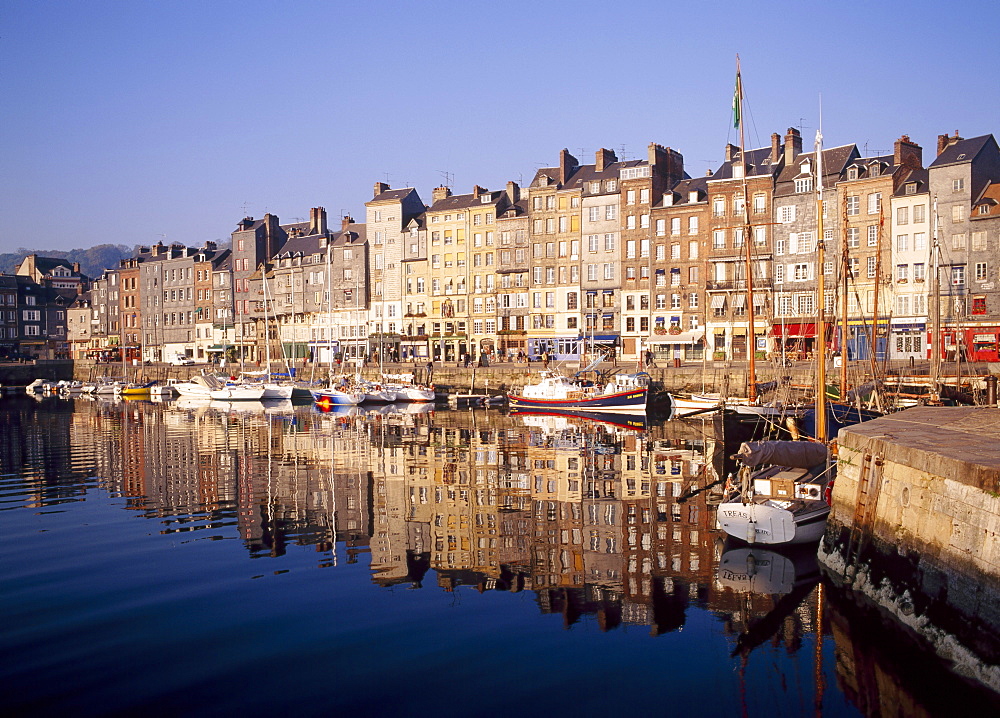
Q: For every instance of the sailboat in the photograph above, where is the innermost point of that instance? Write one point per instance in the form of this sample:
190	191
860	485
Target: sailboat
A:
781	495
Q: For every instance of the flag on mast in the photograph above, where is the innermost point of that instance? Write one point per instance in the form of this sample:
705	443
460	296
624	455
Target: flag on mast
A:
738	101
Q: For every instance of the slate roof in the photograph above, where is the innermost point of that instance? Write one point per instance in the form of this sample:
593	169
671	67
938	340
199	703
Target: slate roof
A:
962	151
683	189
464	201
758	165
391	195
835	162
919	176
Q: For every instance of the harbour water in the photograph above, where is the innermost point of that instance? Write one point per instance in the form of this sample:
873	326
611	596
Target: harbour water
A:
209	559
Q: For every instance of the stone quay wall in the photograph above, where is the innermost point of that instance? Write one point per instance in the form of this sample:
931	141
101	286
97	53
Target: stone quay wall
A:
914	528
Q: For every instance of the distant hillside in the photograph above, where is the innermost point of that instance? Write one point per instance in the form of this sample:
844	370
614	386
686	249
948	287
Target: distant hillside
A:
93	261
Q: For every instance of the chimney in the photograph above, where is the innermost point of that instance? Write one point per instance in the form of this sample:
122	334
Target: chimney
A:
708	173
513	193
210	246
478	191
380	187
944	142
666	166
906	153
793	145
345	222
439	194
76	267
731	152
567	164
604	158
317	220
775	148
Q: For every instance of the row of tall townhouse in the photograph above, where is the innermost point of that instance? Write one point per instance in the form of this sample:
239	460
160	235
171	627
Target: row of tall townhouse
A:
624	255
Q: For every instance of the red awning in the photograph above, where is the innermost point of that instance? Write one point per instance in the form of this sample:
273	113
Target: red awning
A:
795	331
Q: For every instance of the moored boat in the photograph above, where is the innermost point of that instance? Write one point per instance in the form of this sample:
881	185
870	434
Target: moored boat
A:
625	392
780	494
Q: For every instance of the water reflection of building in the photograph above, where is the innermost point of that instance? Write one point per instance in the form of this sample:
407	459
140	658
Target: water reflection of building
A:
597	520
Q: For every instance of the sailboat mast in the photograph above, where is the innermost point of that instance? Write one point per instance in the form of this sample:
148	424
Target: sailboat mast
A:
936	342
820	296
751	333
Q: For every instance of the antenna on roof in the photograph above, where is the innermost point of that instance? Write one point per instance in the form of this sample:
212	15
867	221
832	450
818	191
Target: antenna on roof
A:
386	177
582	151
244	206
449	178
624	153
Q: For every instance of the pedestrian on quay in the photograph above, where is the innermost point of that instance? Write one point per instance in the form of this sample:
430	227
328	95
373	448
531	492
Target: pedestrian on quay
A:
430	372
545	360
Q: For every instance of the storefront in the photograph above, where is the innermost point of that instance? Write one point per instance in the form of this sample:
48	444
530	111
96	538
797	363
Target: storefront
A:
688	346
794	340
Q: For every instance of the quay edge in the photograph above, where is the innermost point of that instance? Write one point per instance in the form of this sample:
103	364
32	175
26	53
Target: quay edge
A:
913	530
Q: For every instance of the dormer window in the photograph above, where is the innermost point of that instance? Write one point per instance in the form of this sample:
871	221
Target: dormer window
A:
595	187
668	199
874	169
805	168
738	171
485	199
910	188
852	173
693	196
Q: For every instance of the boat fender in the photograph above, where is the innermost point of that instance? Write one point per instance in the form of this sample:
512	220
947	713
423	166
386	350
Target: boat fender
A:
828	494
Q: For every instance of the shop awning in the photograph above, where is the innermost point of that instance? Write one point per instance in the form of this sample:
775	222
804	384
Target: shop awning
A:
219	347
692	337
599	338
739	301
792	330
718	301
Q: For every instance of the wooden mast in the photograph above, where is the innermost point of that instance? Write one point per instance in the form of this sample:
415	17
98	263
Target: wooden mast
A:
751	334
820	298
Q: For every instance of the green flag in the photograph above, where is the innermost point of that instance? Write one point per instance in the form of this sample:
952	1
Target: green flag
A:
738	101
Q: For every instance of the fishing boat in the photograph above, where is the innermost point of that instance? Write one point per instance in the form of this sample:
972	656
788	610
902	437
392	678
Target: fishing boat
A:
133	389
237	392
624	392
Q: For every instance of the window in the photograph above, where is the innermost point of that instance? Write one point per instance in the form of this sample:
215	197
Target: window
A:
611	186
919	241
760	236
902	272
719	239
630	197
595	187
759	203
853	237
675	301
958	241
692	225
903	304
902	242
610	210
786	214
958	276
675	226
957	185
779	246
902	215
919	272
979	305
644	196
692	275
644	221
981	271
919	213
853	205
872	265
800	272
693	249
693	300
958	213
630	222
661	252
874	203
609	270
592	272
719	207
872	235
609	243
979	241
804	185
779	273
984	209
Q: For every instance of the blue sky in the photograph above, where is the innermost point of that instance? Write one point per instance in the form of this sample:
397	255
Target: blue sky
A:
132	122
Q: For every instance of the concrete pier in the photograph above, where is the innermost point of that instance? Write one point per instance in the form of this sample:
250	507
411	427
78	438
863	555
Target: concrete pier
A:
914	528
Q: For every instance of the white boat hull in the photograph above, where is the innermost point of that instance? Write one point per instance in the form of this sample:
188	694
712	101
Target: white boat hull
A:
769	523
